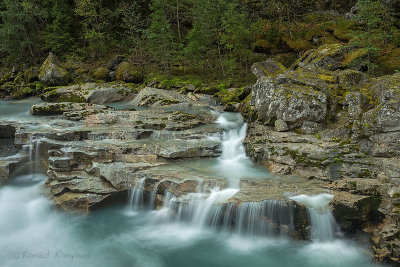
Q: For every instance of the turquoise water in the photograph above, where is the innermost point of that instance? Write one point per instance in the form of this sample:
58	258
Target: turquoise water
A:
34	234
18	110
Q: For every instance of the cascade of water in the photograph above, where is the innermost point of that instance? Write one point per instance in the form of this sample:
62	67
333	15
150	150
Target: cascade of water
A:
135	196
323	224
269	217
233	161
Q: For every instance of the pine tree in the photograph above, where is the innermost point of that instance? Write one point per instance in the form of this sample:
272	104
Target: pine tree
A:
159	35
59	32
19	31
372	15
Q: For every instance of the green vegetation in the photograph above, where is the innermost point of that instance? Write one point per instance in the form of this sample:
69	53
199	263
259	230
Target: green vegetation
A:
190	37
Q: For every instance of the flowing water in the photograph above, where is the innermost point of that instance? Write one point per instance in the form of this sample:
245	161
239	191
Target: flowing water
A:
200	232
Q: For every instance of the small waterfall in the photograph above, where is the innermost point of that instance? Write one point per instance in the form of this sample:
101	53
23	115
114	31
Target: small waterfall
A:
33	152
266	218
233	161
135	196
323	224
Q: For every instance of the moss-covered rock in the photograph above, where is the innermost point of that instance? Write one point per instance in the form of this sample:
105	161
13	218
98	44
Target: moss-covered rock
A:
329	57
128	72
22	92
270	67
350	78
31	75
99	74
52	73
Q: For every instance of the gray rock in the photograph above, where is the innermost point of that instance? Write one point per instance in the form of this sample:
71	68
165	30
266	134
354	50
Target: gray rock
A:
64	107
382	119
152	97
310	127
357	103
294	104
281	126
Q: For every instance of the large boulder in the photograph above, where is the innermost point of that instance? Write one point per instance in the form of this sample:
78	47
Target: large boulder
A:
128	72
99	73
52	73
384	118
292	103
95	93
329	57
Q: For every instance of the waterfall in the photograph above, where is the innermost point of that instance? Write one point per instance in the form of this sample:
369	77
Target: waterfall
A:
323	224
233	161
217	212
33	152
135	196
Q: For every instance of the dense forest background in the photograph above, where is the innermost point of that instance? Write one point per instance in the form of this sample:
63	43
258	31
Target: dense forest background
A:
223	37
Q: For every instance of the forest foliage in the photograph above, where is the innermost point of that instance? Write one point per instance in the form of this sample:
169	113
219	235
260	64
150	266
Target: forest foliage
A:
225	36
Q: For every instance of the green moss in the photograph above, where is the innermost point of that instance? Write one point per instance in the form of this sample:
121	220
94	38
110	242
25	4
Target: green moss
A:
22	92
71	98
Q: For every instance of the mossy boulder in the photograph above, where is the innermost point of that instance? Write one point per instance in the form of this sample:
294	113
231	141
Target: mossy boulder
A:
329	57
317	78
350	78
6	76
31	75
52	73
270	67
128	72
22	92
99	73
63	94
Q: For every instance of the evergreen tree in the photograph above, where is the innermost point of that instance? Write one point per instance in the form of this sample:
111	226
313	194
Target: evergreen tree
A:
59	32
372	15
159	35
19	31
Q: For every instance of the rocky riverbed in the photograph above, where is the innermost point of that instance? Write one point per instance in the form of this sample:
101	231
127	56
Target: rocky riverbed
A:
317	127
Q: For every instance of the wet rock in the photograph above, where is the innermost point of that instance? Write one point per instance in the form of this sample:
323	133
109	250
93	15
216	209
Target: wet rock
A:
52	73
7	131
78	202
352	211
65	107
